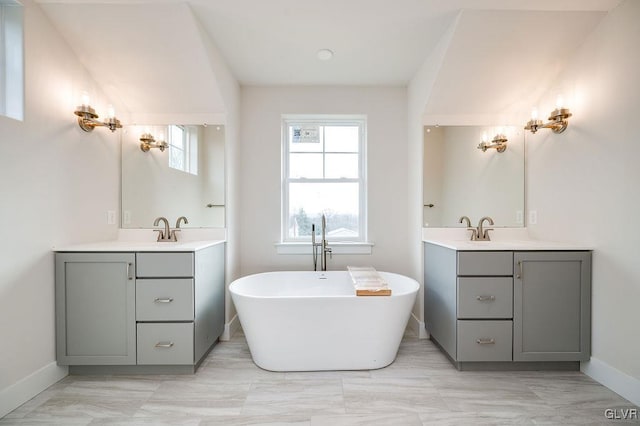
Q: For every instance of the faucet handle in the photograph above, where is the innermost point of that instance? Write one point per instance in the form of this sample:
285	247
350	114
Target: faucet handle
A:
160	234
474	233
486	234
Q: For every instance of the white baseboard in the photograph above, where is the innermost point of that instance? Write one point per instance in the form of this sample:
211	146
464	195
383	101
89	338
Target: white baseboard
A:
22	391
417	327
230	329
621	383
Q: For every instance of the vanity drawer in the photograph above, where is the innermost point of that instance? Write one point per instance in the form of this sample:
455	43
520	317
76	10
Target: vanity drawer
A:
164	299
484	340
485	297
165	343
156	265
485	263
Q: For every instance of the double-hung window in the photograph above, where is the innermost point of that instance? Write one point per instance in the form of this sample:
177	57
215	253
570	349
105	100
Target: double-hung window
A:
324	172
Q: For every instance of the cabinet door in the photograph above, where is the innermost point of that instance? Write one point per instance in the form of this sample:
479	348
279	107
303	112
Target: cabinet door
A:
95	308
552	306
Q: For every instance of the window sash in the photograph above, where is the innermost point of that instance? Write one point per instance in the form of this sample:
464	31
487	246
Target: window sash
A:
287	180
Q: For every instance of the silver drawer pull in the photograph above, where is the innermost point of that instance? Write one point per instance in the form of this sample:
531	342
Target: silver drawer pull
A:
163	299
486	341
519	274
486	298
164	344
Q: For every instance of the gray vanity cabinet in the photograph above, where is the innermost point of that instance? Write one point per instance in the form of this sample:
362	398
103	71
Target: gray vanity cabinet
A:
508	309
95	308
552	306
142	312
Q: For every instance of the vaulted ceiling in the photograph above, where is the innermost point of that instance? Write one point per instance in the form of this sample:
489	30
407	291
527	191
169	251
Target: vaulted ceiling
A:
153	56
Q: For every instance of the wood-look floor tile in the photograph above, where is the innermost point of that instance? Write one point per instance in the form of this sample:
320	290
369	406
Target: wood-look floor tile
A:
390	395
420	387
404	419
306	397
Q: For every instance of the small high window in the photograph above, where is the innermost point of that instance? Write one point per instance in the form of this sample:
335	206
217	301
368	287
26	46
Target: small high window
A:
11	60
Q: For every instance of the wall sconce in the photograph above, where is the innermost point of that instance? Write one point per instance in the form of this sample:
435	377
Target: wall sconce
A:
499	142
87	117
147	141
557	119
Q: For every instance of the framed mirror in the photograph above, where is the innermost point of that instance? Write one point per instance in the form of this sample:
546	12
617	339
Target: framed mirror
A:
179	173
462	179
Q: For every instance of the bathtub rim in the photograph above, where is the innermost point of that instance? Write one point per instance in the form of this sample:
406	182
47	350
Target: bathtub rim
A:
394	294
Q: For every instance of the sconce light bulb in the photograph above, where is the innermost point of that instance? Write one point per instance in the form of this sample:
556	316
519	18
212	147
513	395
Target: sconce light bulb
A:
485	138
559	102
85	98
111	112
534	114
161	136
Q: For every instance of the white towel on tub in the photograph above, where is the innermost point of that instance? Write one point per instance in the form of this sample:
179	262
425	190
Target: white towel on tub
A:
366	278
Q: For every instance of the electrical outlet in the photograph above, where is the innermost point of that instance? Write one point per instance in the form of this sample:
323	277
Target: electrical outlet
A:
111	217
519	217
127	217
533	217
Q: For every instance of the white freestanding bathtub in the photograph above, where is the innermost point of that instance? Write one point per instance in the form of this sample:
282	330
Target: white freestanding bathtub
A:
309	321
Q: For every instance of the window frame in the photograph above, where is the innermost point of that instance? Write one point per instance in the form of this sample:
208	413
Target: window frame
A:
325	120
12	59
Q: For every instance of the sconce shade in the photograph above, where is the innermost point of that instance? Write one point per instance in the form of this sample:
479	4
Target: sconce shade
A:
147	141
499	143
88	119
557	121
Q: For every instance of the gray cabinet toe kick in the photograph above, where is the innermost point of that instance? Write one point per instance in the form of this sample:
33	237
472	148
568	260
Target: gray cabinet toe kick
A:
509	309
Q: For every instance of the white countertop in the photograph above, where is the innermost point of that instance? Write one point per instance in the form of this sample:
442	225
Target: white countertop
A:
501	239
130	246
130	240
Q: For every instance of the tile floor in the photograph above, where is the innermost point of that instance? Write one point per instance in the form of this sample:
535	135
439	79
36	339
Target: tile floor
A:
420	388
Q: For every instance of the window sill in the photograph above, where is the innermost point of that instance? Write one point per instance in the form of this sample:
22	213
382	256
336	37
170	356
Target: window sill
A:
336	248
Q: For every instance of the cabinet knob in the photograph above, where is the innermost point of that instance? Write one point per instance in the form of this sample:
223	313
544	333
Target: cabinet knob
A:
164	344
486	341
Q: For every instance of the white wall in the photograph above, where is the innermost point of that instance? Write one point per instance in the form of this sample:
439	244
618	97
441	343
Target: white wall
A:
57	183
260	178
418	93
230	93
584	182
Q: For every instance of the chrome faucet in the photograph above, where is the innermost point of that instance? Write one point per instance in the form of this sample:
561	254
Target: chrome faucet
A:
323	245
483	234
474	231
166	234
174	236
